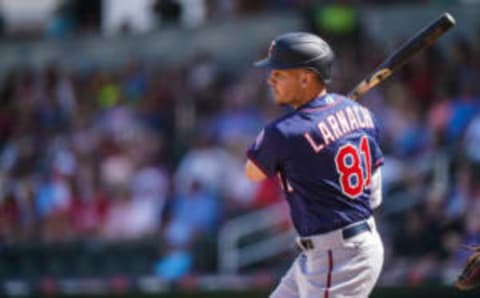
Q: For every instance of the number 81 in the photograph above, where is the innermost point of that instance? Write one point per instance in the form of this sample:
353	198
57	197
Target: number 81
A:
348	171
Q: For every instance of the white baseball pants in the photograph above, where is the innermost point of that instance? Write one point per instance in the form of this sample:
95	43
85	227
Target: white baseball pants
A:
335	267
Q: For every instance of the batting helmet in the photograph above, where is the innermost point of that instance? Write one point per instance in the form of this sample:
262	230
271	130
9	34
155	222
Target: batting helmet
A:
300	50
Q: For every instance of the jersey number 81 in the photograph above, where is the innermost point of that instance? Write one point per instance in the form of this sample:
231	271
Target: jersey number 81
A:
353	176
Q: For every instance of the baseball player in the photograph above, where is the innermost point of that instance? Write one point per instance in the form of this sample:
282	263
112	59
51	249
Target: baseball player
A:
326	155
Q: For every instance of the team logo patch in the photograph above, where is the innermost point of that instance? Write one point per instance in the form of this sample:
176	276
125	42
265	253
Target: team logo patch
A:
329	99
259	139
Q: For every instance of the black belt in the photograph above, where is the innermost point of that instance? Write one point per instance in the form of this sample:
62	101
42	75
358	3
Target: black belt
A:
307	244
355	230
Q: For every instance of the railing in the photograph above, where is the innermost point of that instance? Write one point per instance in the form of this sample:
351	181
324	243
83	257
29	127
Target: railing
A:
233	255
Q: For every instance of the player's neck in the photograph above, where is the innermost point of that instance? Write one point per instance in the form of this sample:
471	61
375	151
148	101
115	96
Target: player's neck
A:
309	96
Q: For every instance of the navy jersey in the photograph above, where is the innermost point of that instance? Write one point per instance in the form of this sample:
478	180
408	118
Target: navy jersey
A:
324	154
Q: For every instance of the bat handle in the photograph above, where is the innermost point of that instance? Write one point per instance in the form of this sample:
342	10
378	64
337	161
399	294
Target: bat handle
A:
373	80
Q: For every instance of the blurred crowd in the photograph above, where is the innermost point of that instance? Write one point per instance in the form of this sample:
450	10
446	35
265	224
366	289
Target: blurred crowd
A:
67	18
148	152
126	154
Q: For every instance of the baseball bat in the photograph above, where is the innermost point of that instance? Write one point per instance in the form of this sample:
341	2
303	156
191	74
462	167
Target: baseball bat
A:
421	40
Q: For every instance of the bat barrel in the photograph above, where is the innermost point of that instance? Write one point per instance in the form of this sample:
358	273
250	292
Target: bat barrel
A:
421	40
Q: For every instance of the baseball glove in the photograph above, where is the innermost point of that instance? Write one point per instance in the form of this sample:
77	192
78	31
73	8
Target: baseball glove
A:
470	276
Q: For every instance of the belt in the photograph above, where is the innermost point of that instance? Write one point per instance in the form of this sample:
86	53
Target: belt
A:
348	232
355	230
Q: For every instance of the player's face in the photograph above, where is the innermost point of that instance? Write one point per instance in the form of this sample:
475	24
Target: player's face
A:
285	85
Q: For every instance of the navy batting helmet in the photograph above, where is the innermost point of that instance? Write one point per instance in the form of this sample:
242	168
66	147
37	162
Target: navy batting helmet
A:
300	50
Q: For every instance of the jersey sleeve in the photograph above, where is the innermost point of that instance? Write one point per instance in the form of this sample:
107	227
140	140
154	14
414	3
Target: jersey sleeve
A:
267	151
377	154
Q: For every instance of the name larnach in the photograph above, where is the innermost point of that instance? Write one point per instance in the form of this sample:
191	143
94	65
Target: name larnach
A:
338	124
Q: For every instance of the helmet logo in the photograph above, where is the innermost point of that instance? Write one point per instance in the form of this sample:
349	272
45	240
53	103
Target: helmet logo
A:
270	50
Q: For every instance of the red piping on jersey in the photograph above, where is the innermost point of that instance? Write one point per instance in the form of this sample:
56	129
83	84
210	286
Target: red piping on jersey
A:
378	162
311	110
329	274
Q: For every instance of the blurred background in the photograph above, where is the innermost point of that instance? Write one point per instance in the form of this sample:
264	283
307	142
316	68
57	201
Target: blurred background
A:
124	125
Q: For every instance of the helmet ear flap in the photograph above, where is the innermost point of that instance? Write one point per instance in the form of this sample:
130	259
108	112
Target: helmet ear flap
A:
323	66
323	72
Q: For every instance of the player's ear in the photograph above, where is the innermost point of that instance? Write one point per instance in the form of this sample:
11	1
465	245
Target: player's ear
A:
304	79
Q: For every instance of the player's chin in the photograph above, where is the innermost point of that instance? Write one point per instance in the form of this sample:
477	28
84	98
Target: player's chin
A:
279	100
